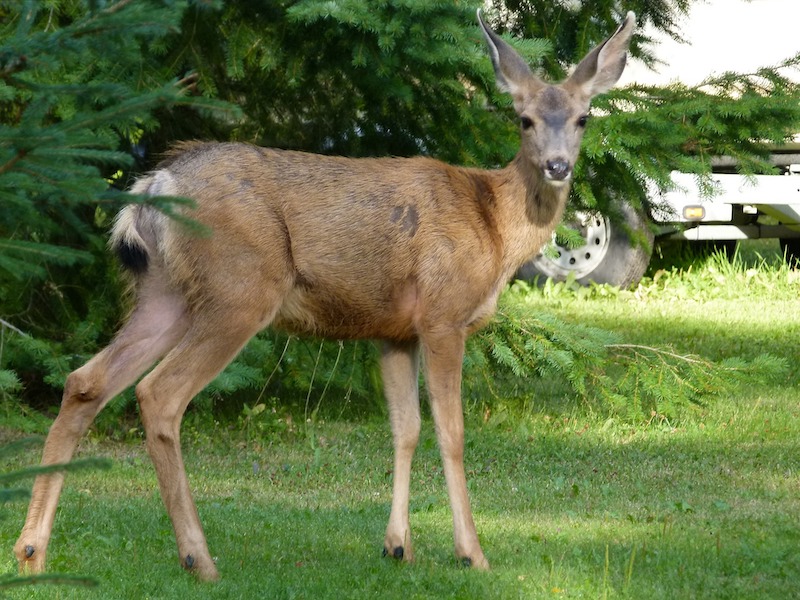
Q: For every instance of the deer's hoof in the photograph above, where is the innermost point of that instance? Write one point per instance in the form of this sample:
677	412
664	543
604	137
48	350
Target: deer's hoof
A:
30	558
397	553
202	568
478	563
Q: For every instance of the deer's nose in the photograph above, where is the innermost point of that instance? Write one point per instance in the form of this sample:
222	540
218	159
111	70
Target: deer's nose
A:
557	170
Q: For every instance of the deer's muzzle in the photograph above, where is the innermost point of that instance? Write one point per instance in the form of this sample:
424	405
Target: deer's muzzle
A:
558	170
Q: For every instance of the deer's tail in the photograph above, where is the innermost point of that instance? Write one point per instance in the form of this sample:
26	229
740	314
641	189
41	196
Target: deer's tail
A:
139	229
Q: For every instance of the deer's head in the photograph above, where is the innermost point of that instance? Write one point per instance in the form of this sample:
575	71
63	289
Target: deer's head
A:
553	117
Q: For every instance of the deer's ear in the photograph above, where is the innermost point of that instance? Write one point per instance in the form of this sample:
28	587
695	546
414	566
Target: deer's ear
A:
602	67
511	71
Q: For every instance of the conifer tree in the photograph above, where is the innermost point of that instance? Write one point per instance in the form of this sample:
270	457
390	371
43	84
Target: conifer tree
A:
77	89
350	77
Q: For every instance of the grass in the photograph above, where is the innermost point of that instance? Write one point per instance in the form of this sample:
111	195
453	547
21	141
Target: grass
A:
570	501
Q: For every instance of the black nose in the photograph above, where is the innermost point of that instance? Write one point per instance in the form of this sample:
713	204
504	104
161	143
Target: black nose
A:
557	169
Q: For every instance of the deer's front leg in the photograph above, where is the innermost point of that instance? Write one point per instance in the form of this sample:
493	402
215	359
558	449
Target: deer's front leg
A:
400	369
443	356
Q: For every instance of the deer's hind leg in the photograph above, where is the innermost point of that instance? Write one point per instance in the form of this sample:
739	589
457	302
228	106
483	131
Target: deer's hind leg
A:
154	327
216	334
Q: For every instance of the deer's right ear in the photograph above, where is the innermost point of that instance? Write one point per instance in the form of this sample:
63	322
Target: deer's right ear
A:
511	71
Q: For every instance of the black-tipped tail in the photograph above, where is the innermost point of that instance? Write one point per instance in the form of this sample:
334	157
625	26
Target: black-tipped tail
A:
133	257
127	241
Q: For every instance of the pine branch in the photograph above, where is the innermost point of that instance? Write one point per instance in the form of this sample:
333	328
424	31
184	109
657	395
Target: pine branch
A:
633	380
687	358
12	162
76	465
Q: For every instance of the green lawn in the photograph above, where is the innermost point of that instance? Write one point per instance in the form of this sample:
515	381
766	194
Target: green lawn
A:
570	500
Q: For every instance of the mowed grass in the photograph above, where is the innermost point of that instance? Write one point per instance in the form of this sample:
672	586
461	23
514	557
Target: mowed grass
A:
569	500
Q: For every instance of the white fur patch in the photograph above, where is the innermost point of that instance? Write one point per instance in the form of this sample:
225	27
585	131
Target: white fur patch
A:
126	225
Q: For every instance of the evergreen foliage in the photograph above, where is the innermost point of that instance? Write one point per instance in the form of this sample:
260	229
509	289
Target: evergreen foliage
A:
633	381
352	77
86	86
75	93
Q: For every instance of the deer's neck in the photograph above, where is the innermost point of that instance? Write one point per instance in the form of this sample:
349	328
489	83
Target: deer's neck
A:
528	209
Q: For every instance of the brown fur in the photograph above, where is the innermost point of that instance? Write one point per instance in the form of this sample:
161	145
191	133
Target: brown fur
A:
412	252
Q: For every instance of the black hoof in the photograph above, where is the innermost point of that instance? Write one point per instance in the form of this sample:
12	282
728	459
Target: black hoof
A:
466	562
396	553
29	550
188	562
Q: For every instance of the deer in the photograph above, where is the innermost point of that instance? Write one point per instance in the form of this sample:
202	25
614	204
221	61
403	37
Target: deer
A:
410	252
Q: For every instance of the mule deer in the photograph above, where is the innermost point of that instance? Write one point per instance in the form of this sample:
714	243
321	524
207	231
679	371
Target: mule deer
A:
411	252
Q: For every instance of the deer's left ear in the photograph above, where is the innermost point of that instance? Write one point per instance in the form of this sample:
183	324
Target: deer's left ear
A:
602	67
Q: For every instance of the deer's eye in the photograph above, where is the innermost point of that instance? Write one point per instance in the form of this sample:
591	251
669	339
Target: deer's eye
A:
583	120
526	122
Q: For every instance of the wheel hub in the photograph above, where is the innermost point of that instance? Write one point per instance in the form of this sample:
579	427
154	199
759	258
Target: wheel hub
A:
594	228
